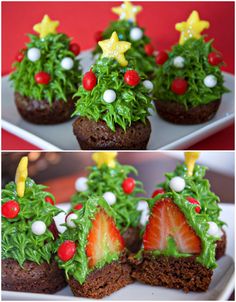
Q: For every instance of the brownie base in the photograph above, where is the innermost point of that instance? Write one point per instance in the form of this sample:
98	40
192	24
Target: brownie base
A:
44	278
105	281
41	112
93	135
172	272
176	113
133	240
221	246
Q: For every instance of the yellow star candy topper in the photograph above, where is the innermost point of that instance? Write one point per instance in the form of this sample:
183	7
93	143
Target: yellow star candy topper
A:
190	159
192	28
21	175
107	158
46	27
127	11
113	48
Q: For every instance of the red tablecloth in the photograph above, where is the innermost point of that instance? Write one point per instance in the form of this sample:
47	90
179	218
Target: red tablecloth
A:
80	20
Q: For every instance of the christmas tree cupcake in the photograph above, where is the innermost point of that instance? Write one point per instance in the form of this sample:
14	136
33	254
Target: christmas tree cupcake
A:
92	251
46	75
114	102
28	236
110	179
189	83
182	232
127	29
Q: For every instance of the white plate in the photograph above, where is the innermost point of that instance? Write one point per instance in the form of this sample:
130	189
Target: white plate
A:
220	288
164	135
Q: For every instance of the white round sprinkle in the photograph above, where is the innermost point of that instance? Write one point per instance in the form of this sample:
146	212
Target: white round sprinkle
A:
210	81
179	62
67	63
214	230
177	184
38	227
148	85
109	96
81	184
136	34
69	220
33	54
110	198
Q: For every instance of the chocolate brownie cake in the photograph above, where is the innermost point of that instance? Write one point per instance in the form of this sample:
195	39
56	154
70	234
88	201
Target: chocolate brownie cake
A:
114	102
119	190
182	239
92	251
46	75
189	84
28	236
127	28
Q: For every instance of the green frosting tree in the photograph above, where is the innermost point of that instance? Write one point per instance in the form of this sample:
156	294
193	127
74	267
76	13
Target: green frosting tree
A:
28	228
47	69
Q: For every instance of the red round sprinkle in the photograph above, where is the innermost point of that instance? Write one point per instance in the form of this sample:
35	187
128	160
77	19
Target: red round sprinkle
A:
128	185
131	77
157	192
66	250
89	80
149	49
179	86
10	209
215	58
42	78
20	56
194	201
49	200
161	57
75	48
98	36
78	206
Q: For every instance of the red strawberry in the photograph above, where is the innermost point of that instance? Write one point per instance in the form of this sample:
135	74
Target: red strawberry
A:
167	220
103	238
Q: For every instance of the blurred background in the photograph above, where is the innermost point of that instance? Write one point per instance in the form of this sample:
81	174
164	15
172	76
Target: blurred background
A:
59	170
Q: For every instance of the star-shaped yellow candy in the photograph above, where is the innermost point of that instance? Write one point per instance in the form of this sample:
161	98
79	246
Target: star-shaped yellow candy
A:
46	27
190	159
127	11
192	28
107	158
113	48
21	175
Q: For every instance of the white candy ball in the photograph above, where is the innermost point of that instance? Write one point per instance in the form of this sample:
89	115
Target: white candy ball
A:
148	85
69	220
109	96
67	63
210	81
38	227
179	62
33	54
81	184
177	184
136	34
110	198
214	230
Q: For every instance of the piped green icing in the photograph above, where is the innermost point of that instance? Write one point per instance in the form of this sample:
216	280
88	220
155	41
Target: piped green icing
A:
143	62
18	241
106	179
63	83
196	68
77	267
132	104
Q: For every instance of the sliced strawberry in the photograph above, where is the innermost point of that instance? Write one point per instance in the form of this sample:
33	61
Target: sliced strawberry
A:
168	220
104	238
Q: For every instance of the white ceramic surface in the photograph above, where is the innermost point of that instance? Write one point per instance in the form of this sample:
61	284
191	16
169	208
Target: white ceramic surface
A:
164	135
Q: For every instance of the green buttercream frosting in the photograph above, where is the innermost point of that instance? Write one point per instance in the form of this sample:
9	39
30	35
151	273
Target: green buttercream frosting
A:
18	241
63	83
144	63
197	187
105	179
196	68
77	267
132	104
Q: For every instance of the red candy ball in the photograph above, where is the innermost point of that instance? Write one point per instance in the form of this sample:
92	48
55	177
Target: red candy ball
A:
98	36
128	185
75	48
89	80
157	192
215	58
49	200
66	250
131	77
194	201
79	206
20	56
42	78
149	49
10	209
179	86
161	57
